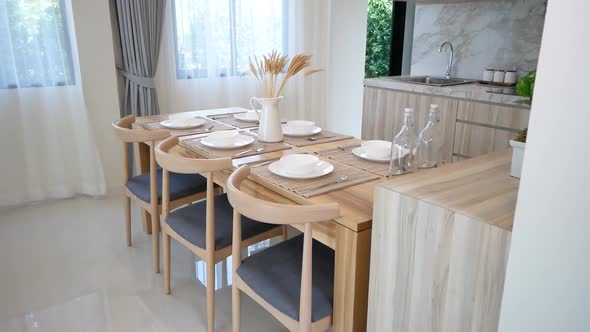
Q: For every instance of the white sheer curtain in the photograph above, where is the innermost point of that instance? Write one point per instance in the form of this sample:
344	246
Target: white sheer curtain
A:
206	45
46	145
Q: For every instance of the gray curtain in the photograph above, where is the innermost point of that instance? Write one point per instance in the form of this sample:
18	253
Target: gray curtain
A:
140	29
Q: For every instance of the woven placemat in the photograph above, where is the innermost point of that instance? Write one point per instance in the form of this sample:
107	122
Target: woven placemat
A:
229	119
344	155
195	145
306	189
323	137
209	126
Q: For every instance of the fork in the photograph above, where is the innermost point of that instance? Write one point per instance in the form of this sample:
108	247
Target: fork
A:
204	129
225	116
200	131
341	179
315	138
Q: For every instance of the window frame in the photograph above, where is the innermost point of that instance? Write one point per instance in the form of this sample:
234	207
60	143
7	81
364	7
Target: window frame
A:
69	61
181	74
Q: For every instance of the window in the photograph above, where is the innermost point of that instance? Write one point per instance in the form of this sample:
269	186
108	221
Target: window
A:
386	21
215	38
34	45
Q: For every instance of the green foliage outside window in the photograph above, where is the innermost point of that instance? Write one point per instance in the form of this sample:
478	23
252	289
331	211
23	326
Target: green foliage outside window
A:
378	38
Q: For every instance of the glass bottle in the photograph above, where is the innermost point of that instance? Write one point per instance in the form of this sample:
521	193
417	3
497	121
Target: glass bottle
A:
431	141
403	147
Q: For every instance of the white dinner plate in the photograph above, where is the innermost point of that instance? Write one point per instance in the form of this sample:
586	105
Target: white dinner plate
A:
289	132
361	154
247	117
320	169
237	142
187	124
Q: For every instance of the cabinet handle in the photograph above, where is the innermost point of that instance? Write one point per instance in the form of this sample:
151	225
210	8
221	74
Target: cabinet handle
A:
489	126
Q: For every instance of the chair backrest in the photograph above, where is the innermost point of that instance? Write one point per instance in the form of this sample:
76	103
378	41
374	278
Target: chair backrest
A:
179	164
274	213
123	131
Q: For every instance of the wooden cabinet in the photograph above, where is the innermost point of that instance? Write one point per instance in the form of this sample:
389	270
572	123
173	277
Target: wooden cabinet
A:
383	114
439	247
484	128
470	129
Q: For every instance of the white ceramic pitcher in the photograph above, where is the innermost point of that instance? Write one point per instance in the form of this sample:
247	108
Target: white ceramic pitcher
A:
270	130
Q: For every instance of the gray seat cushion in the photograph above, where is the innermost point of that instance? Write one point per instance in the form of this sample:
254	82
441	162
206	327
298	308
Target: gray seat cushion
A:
275	275
181	185
189	222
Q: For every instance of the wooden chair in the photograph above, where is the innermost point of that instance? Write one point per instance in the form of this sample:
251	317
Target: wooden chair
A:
146	189
293	280
205	228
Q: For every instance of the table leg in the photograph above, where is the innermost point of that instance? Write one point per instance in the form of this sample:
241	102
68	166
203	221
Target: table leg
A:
351	280
142	165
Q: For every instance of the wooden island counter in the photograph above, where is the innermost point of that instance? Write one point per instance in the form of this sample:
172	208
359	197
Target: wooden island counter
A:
440	244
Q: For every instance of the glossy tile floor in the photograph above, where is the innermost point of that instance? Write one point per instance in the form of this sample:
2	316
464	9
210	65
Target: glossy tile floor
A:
65	267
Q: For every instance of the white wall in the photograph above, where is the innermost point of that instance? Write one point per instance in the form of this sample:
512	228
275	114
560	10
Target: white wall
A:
548	280
97	67
346	70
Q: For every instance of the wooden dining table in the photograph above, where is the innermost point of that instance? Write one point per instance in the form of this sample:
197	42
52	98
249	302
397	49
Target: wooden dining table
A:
349	235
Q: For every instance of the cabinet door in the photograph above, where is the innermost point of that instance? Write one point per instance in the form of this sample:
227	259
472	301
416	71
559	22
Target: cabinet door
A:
383	115
484	128
494	115
474	140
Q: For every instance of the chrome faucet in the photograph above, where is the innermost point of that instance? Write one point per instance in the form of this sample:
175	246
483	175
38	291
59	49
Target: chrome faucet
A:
448	73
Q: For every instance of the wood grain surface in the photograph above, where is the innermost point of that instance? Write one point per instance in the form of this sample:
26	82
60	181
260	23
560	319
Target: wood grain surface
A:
480	188
433	269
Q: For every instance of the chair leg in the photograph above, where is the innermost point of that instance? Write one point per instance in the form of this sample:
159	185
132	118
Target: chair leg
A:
166	248
236	308
146	222
285	233
218	191
210	295
127	204
156	240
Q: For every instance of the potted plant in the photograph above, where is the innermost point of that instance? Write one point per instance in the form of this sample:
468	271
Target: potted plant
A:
525	87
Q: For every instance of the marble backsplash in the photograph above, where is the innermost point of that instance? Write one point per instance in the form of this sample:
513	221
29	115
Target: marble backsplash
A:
497	34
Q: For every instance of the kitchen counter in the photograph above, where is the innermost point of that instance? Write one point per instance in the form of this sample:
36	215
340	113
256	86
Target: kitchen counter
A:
439	247
470	92
480	188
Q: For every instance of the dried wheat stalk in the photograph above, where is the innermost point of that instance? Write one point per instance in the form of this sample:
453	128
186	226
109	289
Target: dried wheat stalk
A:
268	71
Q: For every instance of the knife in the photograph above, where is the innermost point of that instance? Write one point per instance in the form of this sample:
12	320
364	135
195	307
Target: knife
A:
266	162
243	153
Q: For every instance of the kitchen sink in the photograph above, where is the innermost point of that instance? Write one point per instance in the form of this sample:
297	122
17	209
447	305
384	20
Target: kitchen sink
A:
434	81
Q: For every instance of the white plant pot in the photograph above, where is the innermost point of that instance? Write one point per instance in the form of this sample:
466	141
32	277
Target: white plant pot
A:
517	158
